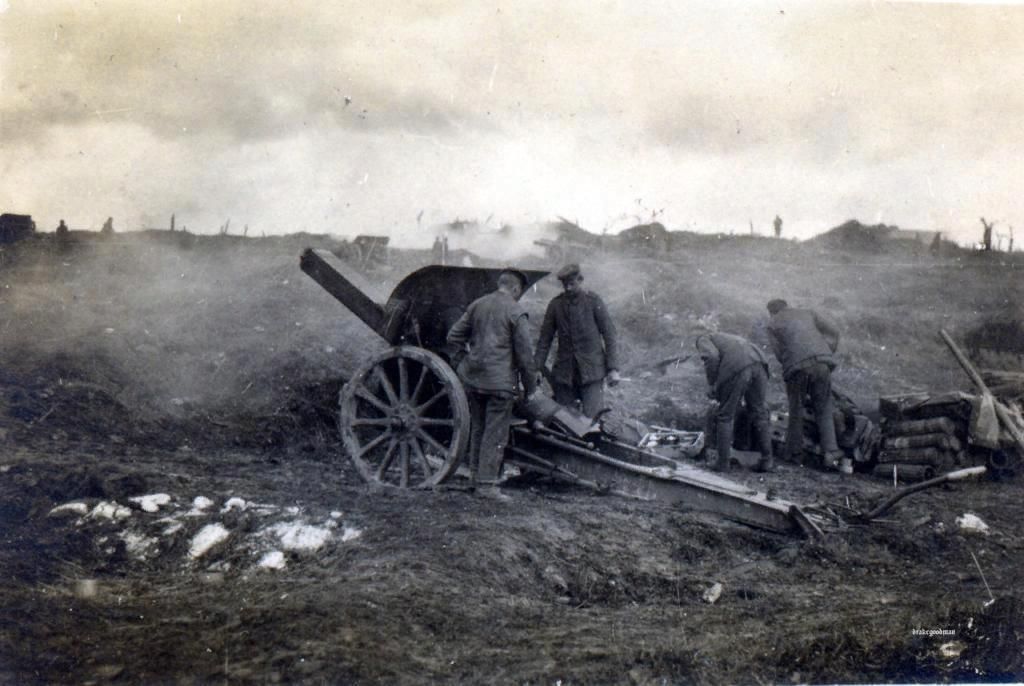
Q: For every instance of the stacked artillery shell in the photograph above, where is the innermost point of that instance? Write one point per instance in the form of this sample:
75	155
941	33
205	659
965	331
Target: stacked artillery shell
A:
926	446
905	472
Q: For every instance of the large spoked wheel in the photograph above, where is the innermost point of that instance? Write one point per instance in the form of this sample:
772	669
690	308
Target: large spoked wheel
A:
404	418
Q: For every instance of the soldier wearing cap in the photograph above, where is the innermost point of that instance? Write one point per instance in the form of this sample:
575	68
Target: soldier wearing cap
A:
495	330
587	351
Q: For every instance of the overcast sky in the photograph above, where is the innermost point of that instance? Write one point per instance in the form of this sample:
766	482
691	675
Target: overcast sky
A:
355	117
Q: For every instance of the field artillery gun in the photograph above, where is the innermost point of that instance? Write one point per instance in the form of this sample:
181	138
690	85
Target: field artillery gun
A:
404	417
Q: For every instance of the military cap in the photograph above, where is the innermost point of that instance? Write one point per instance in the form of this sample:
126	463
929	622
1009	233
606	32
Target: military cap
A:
777	305
569	271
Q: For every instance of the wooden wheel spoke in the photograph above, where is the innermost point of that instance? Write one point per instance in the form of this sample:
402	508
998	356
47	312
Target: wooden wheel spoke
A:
431	421
374	443
403	380
389	456
373	421
420	409
432	442
418	451
419	384
404	418
385	382
404	479
370	397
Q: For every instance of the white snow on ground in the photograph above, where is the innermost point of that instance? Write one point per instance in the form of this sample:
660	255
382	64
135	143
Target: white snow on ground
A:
151	503
70	508
105	510
137	544
209	536
350	533
199	504
173	525
272	560
971	522
234	504
299	536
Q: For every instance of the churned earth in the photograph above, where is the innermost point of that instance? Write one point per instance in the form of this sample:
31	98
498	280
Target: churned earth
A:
175	506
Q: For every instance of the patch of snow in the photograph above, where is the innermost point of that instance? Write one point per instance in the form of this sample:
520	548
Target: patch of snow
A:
199	504
292	510
971	522
137	544
350	534
173	527
299	536
209	536
151	503
262	508
272	560
105	510
234	504
72	508
713	593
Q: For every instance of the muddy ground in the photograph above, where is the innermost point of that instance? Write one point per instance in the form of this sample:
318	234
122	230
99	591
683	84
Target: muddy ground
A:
206	370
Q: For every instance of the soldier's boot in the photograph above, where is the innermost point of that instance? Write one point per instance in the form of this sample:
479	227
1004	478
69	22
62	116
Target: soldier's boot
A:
718	463
765	464
831	460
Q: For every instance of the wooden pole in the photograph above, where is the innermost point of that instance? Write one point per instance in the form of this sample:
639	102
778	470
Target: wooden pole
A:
1001	412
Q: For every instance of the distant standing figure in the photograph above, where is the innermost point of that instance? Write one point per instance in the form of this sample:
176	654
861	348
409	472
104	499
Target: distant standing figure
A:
778	226
62	229
986	236
108	226
588	350
805	343
495	329
737	371
437	250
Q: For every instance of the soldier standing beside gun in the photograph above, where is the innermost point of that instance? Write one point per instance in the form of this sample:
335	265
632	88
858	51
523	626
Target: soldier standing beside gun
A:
495	329
805	343
587	347
736	370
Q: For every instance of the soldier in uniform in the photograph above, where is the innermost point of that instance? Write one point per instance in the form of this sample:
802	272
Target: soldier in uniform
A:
587	346
805	343
737	371
495	330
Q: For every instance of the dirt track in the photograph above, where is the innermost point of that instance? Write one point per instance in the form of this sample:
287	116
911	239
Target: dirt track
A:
220	383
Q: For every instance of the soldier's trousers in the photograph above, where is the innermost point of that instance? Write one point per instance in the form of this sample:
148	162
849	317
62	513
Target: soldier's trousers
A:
815	380
590	395
489	416
749	386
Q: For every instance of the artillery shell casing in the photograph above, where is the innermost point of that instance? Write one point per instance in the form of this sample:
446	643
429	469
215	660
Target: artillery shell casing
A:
905	472
921	426
935	440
